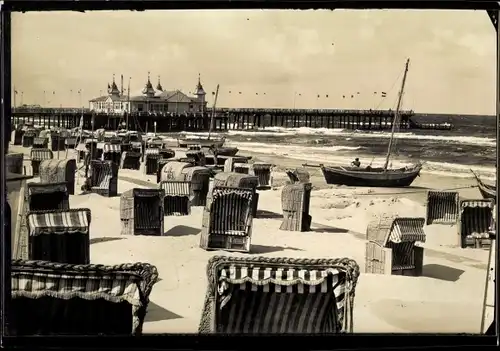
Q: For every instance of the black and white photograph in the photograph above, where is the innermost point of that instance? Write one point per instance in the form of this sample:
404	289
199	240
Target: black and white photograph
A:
252	171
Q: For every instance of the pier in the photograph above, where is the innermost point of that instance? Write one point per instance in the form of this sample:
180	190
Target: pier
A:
224	119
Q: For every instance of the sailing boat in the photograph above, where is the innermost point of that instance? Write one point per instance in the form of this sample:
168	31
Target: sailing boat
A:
488	191
200	140
376	177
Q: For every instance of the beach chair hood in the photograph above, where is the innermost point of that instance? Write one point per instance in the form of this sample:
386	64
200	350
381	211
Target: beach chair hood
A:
294	277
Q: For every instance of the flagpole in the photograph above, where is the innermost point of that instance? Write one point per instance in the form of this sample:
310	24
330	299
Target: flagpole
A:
15	93
128	100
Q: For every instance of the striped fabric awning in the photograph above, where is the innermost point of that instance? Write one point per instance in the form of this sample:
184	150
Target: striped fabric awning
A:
41	154
242	165
407	230
176	188
112	148
477	203
286	280
112	287
59	222
91	140
152	151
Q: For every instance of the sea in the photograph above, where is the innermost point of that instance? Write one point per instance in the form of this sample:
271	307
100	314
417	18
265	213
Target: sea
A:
470	145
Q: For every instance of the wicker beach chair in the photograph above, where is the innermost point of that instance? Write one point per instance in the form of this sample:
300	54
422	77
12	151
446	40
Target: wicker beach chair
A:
177	200
131	160
173	170
47	196
167	153
199	179
57	141
161	163
115	140
273	295
63	299
227	220
136	146
58	171
28	138
295	201
298	175
37	156
238	180
230	161
100	150
14	163
125	146
112	152
141	212
194	147
41	142
59	235
197	157
104	178
70	142
391	246
259	169
18	136
442	207
474	220
151	158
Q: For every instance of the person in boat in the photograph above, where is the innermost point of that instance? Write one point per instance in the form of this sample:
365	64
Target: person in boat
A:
356	162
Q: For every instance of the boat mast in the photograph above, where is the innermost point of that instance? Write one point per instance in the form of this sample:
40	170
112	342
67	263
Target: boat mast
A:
213	112
396	116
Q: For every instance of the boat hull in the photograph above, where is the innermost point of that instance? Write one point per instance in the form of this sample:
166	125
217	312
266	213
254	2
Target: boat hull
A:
373	178
487	192
202	142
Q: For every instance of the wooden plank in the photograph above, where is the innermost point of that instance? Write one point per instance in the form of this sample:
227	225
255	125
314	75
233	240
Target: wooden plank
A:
489	293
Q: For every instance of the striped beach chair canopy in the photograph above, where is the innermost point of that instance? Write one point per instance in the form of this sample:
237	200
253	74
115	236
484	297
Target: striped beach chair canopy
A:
396	230
115	148
90	140
477	203
41	154
59	221
152	151
130	282
279	295
175	188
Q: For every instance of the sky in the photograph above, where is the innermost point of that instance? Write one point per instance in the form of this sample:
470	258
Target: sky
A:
275	58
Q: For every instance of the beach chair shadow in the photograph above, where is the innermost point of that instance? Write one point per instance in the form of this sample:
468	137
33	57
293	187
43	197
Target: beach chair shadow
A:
441	272
182	230
264	214
262	249
322	228
103	240
157	313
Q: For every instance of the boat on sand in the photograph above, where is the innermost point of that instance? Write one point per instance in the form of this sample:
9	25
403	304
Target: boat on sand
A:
375	176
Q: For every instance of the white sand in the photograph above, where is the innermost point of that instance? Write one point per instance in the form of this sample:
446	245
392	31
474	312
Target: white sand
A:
447	298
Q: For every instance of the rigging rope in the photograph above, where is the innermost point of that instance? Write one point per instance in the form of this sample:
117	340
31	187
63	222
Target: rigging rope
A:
392	87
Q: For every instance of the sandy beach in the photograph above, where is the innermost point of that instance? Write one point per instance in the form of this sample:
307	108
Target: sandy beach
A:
447	298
